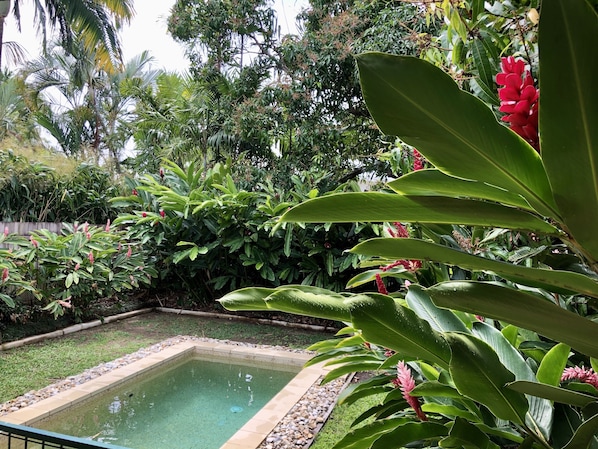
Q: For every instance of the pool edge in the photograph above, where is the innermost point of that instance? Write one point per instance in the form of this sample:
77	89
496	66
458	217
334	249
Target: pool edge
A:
250	436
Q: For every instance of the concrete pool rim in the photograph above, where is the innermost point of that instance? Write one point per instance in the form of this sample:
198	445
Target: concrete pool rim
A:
250	436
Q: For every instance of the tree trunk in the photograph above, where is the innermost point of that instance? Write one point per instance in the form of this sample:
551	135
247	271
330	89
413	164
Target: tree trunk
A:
4	11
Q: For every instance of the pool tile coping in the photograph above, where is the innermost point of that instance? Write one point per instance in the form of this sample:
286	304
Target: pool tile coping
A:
250	436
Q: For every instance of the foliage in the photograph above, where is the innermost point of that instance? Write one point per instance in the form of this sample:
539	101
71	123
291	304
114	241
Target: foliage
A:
95	23
74	269
287	103
470	383
210	237
15	115
32	191
84	108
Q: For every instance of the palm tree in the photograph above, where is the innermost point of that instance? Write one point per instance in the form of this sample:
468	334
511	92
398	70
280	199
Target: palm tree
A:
85	108
95	21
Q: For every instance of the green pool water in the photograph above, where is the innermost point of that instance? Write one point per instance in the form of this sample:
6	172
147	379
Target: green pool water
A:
196	404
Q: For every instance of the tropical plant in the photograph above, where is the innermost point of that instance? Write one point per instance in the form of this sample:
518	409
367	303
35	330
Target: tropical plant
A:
490	350
87	110
83	264
210	237
33	191
96	22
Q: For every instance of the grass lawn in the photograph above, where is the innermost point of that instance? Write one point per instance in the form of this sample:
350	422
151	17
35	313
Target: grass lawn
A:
35	366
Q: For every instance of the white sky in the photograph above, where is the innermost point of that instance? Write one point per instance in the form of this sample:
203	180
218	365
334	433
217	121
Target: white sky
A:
148	31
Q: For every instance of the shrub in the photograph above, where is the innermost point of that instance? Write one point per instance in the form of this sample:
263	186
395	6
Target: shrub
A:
211	237
75	269
32	191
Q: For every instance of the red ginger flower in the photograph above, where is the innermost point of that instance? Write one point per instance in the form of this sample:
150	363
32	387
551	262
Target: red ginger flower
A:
380	285
5	274
580	374
406	383
519	99
418	160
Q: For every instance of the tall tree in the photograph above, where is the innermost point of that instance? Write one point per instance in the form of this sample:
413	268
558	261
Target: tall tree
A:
298	94
96	22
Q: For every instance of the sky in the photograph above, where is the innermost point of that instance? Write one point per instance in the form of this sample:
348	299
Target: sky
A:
147	31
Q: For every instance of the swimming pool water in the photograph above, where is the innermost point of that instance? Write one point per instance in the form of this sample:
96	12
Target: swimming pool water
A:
194	405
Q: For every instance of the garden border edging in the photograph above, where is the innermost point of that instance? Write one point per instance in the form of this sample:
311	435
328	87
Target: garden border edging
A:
125	315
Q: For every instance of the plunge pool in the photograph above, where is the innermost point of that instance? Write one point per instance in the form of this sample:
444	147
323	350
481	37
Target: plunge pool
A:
242	393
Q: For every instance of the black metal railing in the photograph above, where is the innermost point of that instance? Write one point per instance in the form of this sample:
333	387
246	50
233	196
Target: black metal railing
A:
14	436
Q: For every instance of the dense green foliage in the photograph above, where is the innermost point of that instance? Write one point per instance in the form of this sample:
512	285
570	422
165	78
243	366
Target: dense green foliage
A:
208	235
32	191
495	346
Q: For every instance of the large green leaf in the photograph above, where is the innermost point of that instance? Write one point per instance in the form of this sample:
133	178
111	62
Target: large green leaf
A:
436	183
458	133
552	364
521	309
303	300
552	393
376	207
383	321
441	320
478	374
584	435
540	413
363	437
553	280
569	113
465	435
409	433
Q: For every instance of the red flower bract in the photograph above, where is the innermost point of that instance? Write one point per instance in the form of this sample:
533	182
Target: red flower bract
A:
519	99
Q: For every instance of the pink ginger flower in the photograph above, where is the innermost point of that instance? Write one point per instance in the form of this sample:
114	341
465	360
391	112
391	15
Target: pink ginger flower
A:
5	274
34	242
519	99
6	231
107	229
90	257
162	173
581	374
88	235
77	266
129	252
406	383
66	303
85	227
